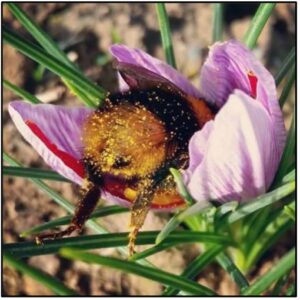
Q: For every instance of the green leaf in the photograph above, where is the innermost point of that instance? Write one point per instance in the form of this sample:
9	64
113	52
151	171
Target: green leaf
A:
225	208
20	92
258	23
26	249
69	207
55	65
152	250
227	264
218	22
279	285
280	269
288	155
165	33
285	67
40	36
274	230
48	281
33	173
196	209
169	227
181	187
288	87
262	201
291	290
58	198
195	267
256	227
49	191
290	211
100	212
178	218
289	177
38	73
50	46
143	271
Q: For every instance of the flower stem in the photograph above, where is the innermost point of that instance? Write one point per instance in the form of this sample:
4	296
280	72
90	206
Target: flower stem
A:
258	23
218	22
165	33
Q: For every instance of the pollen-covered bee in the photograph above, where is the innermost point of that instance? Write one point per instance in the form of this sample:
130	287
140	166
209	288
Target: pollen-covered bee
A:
131	141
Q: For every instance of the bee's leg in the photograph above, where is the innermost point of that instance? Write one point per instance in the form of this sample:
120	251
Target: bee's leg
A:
139	212
83	210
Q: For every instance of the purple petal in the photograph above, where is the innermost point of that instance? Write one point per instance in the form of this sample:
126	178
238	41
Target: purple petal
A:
142	59
123	86
239	155
54	132
227	68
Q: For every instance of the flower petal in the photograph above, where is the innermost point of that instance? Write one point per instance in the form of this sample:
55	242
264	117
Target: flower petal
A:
231	66
54	132
142	59
240	154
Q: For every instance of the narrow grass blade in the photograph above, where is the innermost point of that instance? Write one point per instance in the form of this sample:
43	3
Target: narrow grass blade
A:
262	201
181	187
70	208
258	22
218	22
20	92
286	66
195	267
55	65
290	210
46	280
257	226
289	177
165	33
227	264
226	208
100	212
177	219
151	251
288	87
49	45
196	209
288	155
166	231
49	191
280	269
274	230
279	285
291	291
109	240
40	36
143	271
33	173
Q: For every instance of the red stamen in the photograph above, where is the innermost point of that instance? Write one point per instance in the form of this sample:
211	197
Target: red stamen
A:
253	83
67	159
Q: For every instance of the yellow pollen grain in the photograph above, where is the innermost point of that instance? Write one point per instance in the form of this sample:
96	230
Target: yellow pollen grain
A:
130	194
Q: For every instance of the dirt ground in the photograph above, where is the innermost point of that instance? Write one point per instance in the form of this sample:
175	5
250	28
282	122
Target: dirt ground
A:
85	31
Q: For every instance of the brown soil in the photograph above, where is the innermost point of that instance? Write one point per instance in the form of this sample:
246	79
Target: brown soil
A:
85	31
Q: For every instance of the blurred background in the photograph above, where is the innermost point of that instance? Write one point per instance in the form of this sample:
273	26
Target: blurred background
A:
85	31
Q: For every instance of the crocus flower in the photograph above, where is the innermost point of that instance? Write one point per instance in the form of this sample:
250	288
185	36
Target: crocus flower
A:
233	157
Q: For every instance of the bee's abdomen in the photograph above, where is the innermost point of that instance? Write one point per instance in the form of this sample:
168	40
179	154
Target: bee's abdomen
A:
171	108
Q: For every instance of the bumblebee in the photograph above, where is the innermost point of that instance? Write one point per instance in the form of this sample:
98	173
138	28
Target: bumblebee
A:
131	142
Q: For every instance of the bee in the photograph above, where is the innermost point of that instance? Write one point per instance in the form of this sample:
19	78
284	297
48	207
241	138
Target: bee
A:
131	141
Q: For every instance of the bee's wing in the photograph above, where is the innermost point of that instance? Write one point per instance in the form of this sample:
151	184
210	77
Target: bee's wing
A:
140	78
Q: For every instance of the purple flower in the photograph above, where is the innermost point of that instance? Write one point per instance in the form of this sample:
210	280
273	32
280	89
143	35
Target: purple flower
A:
234	157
